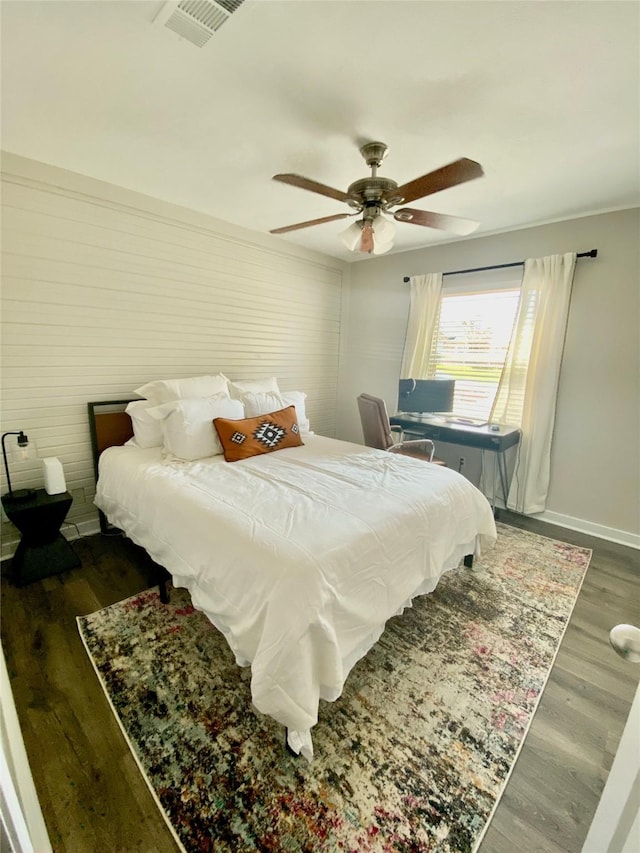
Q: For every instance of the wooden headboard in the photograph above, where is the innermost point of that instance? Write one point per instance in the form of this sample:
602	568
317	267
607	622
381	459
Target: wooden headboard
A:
109	425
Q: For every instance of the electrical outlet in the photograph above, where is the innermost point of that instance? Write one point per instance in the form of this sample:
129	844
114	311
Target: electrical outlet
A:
461	463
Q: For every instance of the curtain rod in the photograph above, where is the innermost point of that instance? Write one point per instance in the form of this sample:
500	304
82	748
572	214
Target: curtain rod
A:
592	253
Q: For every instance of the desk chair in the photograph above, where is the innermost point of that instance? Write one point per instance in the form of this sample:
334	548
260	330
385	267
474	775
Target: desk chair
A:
378	432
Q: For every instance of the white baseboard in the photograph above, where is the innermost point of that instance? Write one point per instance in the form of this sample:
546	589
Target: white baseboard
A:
612	534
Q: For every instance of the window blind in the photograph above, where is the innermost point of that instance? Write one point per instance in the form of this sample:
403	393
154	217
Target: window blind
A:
473	330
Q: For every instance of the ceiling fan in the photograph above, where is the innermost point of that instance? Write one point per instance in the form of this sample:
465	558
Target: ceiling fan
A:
375	196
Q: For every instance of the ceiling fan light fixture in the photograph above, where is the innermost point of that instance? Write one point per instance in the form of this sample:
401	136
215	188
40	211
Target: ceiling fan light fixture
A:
380	248
352	236
370	236
383	229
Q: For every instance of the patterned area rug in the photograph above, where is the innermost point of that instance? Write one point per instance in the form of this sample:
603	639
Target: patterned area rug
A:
412	757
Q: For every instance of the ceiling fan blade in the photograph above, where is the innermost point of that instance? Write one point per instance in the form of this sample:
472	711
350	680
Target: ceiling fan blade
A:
312	186
310	222
442	221
451	175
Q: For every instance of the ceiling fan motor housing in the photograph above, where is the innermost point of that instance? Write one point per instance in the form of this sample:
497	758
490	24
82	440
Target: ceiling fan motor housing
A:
368	192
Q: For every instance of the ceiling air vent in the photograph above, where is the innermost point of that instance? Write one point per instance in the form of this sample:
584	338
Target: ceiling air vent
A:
196	20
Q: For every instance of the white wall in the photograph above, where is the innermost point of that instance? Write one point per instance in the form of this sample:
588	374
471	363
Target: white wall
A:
104	289
595	474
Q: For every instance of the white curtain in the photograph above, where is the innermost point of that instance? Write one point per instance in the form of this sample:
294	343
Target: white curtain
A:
423	313
529	383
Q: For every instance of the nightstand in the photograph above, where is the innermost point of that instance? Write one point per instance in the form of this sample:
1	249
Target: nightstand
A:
43	550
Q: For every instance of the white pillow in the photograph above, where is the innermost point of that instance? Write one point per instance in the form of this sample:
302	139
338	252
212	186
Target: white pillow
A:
256	386
270	401
147	431
187	425
262	403
165	390
297	399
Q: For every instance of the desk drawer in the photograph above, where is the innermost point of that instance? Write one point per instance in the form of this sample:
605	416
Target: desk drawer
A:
427	431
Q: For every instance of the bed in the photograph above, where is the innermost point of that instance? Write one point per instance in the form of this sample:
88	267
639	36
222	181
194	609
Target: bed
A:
299	557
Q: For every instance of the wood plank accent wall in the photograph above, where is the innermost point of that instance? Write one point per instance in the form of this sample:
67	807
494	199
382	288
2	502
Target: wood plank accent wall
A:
103	290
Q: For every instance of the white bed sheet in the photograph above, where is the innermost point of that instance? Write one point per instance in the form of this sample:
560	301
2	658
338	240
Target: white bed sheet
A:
300	556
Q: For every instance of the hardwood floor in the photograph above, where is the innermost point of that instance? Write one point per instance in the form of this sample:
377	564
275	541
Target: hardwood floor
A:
556	784
95	800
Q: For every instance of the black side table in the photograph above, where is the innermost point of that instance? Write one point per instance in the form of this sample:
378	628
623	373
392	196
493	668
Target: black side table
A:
43	550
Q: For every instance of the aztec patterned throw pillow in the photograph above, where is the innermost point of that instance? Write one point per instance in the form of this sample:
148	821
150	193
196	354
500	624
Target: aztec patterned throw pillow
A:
247	437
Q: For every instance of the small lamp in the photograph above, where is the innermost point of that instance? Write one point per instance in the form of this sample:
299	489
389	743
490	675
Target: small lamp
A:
23	445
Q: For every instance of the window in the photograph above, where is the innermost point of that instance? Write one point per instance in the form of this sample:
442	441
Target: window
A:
471	339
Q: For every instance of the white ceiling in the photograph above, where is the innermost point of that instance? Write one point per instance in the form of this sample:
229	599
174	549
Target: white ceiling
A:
545	95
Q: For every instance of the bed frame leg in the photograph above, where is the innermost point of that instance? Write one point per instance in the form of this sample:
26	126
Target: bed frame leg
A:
286	745
468	561
162	578
164	592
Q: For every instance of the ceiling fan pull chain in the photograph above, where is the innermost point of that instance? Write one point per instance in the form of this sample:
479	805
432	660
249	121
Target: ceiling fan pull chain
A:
366	243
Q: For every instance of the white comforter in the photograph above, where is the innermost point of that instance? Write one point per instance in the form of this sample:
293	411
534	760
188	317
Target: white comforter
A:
300	556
